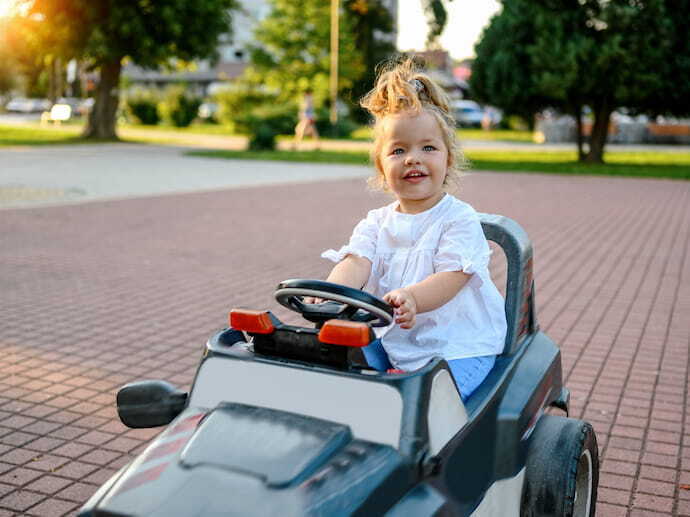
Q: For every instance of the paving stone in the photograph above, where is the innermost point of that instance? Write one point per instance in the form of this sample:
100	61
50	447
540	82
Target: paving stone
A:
609	510
53	508
167	269
48	484
78	492
76	470
614	496
20	500
657	473
609	480
19	456
47	462
655	487
653	502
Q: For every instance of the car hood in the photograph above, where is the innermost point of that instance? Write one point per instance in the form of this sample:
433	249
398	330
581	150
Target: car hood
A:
245	460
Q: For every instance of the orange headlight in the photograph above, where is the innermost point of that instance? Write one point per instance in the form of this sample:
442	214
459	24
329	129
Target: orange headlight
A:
346	333
255	322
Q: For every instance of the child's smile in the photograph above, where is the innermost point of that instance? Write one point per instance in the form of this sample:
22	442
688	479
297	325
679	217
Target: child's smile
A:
414	160
415	176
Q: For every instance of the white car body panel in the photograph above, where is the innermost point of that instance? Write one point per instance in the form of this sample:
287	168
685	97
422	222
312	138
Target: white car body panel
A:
372	410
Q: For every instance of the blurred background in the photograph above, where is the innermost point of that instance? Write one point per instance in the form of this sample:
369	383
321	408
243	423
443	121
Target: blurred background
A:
586	72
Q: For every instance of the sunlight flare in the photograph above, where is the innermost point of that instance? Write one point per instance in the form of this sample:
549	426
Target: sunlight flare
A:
6	7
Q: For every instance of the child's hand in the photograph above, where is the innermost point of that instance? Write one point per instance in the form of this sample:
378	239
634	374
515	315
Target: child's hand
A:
405	307
312	300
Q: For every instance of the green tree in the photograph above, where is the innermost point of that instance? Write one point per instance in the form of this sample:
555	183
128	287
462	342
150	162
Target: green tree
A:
372	28
501	73
292	51
436	16
24	55
573	53
148	33
7	64
673	95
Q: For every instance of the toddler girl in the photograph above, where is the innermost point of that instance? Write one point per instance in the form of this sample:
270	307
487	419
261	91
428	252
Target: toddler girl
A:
425	253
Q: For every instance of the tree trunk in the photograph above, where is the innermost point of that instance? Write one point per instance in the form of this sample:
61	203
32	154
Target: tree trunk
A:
578	136
600	131
57	70
54	80
101	122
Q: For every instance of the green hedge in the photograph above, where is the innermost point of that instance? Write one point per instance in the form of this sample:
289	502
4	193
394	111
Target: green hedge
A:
142	106
178	107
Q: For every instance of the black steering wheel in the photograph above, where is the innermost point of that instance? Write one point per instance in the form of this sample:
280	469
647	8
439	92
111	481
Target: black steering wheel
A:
344	303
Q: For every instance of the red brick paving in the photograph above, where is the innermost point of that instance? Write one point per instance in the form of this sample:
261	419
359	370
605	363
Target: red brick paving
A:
100	294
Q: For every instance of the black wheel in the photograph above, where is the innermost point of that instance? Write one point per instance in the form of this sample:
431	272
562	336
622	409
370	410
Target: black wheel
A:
562	469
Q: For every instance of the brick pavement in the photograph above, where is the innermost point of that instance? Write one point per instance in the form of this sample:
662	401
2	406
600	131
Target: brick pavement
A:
100	294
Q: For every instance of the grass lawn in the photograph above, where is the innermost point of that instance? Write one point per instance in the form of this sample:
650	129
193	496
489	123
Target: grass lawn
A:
35	134
20	135
343	157
652	164
620	163
649	164
175	135
194	129
502	135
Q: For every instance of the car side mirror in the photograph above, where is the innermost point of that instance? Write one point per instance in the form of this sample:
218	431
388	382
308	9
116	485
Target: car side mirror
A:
149	403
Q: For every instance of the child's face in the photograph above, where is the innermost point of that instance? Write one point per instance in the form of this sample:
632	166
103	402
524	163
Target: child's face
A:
414	160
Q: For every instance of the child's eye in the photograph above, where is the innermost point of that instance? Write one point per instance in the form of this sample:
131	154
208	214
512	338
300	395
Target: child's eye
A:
428	148
397	150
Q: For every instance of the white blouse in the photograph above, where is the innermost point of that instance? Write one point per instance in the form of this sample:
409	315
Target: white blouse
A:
405	249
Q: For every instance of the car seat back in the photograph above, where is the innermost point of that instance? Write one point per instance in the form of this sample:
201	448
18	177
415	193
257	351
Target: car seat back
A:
519	303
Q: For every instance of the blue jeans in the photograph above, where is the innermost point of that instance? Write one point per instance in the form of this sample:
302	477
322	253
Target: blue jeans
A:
468	373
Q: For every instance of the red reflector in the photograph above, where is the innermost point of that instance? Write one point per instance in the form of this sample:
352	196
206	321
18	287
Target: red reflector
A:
255	322
347	333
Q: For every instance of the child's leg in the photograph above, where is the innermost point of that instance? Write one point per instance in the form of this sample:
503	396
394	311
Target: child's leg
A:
470	372
376	356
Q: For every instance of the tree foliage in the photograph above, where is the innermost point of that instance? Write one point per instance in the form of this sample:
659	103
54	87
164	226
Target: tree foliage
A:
574	53
292	51
7	65
106	32
437	17
372	27
501	72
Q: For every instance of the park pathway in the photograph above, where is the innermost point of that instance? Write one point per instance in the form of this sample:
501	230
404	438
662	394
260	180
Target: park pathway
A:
98	294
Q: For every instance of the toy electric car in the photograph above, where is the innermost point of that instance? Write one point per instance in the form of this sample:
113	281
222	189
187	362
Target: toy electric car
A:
288	420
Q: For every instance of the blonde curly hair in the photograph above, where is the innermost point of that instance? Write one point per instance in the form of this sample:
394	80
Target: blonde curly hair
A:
402	87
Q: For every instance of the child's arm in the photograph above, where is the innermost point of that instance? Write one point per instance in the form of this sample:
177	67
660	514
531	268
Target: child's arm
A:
427	295
352	271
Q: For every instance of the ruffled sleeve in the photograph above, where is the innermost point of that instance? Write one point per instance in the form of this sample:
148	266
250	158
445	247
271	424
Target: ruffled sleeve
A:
362	242
463	247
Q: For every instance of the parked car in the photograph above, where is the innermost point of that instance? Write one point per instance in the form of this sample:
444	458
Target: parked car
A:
289	420
468	113
24	105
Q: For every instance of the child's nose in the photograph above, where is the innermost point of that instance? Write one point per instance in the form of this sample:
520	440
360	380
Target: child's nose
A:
411	158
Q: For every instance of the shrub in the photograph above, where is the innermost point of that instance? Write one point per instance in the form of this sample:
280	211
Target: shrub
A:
177	107
236	104
281	118
142	106
242	105
343	128
264	123
262	138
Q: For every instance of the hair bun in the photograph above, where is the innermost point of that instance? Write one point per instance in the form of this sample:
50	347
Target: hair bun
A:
402	86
